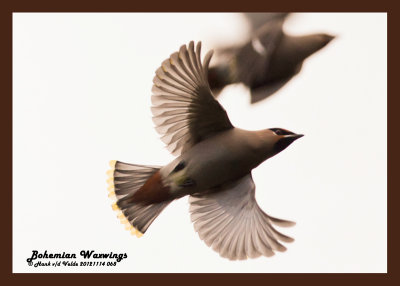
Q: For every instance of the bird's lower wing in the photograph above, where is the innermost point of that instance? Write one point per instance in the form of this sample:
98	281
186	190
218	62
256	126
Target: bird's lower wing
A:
231	222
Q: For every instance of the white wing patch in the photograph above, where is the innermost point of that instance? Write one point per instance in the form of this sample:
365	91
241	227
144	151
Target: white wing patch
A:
184	109
231	222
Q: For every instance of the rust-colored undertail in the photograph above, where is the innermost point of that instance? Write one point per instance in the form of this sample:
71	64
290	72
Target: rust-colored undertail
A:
139	193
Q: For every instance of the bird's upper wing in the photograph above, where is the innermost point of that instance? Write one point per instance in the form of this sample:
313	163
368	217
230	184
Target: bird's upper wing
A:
184	109
253	59
231	222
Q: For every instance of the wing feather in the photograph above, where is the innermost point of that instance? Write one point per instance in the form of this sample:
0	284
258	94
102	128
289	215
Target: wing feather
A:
231	222
184	109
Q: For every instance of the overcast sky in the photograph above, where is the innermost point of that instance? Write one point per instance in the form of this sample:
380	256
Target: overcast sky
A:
81	97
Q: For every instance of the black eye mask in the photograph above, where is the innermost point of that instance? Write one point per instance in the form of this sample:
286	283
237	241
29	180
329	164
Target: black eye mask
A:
179	167
280	131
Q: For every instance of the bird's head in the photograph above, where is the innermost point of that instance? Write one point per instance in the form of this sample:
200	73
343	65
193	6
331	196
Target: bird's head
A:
309	44
272	141
321	40
282	138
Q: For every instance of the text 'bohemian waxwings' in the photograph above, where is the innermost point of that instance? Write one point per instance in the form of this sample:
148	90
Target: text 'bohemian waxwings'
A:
213	165
268	60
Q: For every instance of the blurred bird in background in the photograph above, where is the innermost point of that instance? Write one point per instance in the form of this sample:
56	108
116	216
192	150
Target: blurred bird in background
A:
268	60
213	165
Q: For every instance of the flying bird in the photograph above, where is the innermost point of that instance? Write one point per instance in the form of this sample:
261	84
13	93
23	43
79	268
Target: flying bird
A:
267	61
213	165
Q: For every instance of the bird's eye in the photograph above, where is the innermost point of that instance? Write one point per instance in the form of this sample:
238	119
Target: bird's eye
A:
280	131
179	167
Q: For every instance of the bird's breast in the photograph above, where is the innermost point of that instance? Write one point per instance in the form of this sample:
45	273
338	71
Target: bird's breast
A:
218	160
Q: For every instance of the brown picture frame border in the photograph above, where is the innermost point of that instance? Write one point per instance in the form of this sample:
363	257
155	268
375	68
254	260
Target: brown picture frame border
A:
9	7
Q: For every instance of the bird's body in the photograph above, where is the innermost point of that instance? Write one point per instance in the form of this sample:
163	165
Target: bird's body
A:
215	161
213	165
267	61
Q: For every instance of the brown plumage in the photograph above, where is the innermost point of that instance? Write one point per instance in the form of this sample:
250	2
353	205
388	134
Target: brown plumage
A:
153	191
267	61
213	165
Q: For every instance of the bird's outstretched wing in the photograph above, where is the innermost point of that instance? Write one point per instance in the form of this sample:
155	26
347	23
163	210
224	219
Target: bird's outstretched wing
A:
184	109
231	222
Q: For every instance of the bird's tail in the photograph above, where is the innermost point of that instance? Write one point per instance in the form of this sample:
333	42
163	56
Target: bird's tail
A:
125	180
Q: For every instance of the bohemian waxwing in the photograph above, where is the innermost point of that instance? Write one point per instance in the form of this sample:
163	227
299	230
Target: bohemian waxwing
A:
267	61
213	165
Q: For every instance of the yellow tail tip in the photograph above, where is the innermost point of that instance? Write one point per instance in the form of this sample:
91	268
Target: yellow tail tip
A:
120	215
136	232
124	220
115	206
112	163
128	226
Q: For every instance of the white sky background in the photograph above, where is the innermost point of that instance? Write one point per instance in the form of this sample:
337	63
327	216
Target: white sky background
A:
81	97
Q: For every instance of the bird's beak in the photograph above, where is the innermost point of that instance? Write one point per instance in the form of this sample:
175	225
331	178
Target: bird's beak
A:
285	141
326	39
293	137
